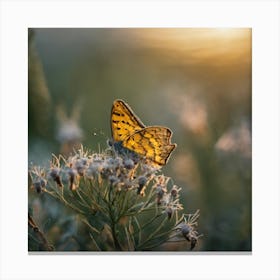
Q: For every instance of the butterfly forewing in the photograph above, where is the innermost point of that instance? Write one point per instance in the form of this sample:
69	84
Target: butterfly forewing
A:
123	121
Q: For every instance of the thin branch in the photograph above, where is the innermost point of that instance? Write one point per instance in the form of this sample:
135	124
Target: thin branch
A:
43	243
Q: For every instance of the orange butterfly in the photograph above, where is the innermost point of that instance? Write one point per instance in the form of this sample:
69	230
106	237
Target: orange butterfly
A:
150	142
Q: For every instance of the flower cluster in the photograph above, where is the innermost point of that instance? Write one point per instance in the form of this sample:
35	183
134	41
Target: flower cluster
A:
119	191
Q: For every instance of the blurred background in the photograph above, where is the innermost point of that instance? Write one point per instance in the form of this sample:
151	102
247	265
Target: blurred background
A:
198	82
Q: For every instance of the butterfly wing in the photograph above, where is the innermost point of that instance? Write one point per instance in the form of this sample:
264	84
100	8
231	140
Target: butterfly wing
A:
152	142
123	121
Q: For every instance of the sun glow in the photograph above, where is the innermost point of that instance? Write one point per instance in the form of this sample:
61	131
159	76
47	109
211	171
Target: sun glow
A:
197	43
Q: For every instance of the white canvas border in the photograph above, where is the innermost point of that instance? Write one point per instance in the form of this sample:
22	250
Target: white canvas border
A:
17	16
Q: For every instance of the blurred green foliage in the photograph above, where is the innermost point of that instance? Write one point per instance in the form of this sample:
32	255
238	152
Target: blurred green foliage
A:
195	81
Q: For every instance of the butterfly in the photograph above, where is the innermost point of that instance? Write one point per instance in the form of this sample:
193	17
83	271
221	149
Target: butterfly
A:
150	142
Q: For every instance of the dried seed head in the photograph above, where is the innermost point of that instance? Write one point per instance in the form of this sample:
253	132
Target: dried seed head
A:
81	166
160	192
84	161
94	168
193	242
54	174
43	183
108	165
186	230
110	162
174	191
37	187
169	212
72	176
113	180
117	163
129	163
142	180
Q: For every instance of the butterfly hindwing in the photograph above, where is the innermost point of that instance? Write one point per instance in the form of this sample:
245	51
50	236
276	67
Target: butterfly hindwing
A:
152	142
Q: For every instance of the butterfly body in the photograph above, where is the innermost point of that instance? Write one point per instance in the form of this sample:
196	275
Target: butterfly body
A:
128	131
